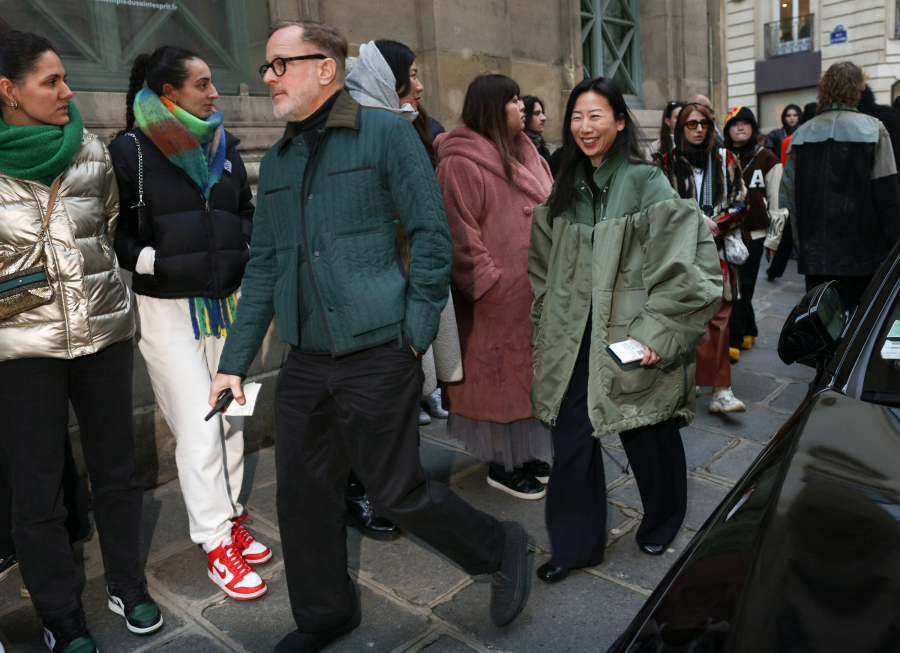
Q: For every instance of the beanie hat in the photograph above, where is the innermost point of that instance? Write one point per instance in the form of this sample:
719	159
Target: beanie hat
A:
741	113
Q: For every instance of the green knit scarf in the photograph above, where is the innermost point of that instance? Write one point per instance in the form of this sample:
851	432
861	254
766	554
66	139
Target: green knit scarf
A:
41	152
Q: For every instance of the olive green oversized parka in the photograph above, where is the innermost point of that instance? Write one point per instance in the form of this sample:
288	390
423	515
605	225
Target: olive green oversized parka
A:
645	262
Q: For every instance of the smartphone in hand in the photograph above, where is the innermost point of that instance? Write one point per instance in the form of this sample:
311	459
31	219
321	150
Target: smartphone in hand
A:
225	398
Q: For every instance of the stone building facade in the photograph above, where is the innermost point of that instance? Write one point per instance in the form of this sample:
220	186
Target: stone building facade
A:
778	49
657	50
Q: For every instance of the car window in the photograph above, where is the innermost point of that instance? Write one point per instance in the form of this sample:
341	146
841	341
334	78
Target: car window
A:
882	380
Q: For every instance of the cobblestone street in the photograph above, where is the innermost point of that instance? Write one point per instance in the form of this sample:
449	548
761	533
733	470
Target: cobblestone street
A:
413	599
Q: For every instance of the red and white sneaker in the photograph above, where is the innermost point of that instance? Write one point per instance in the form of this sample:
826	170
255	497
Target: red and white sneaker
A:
255	553
229	570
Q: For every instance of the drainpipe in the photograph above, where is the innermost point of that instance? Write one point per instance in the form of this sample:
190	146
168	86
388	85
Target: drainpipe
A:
709	43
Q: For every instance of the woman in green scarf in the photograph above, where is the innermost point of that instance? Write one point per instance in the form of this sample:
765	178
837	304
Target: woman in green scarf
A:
187	216
78	348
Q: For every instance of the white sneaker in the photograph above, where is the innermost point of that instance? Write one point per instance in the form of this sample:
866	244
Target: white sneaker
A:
432	404
424	418
228	569
724	401
24	593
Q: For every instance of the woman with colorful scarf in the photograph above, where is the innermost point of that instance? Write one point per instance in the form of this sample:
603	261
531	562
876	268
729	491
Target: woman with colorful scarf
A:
186	221
77	348
699	171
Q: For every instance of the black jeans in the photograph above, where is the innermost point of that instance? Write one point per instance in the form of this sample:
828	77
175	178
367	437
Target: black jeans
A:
743	318
75	500
33	418
782	255
851	288
359	410
576	493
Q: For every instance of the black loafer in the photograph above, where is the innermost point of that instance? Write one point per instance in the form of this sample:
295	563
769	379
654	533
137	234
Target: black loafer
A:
297	642
550	573
653	549
362	515
509	584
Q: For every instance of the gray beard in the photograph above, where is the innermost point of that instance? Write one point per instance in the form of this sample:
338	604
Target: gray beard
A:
296	108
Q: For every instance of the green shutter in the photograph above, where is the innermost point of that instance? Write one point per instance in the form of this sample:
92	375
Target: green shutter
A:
611	45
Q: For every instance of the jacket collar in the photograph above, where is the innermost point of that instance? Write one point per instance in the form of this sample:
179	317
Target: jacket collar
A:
345	114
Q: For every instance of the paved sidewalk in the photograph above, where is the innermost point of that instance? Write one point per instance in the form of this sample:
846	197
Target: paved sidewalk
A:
413	599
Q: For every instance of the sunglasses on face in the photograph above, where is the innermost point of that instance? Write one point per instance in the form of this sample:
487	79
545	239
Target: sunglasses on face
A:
279	64
693	124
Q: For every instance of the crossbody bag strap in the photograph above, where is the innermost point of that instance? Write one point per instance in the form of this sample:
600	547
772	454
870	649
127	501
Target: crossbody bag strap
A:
53	193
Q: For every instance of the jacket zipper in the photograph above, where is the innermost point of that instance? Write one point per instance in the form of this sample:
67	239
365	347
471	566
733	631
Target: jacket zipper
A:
212	245
312	275
603	199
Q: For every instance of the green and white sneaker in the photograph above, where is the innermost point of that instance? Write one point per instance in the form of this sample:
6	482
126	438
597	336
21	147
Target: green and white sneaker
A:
68	634
142	615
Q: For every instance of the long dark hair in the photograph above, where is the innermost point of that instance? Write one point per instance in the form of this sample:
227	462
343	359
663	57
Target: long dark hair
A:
165	65
484	111
627	141
530	102
19	54
399	58
665	134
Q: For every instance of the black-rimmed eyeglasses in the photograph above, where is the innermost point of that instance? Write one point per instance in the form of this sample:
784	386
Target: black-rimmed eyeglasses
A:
279	64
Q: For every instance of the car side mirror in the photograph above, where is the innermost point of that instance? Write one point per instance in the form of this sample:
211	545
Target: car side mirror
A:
813	327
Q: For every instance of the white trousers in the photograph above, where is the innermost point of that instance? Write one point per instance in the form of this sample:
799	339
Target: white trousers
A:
209	455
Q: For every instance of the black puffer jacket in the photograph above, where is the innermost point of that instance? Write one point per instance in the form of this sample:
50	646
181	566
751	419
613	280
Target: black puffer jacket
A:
201	248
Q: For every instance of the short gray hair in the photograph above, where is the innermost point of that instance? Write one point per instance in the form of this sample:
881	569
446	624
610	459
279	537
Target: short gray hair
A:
330	40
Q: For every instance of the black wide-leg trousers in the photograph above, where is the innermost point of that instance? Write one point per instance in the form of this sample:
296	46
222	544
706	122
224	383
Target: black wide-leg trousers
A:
33	441
576	493
359	410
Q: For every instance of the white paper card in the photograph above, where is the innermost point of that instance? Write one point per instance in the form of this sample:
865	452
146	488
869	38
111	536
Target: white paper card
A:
251	391
628	351
891	351
895	330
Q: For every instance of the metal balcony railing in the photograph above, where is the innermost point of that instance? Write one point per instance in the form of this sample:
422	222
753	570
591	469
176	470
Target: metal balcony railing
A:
789	36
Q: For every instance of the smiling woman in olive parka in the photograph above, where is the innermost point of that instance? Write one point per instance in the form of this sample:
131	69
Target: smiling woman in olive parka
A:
615	254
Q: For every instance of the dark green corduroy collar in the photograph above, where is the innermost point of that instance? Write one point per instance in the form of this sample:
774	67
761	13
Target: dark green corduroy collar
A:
345	113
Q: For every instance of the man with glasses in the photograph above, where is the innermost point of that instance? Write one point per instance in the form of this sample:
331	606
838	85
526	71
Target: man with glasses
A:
323	260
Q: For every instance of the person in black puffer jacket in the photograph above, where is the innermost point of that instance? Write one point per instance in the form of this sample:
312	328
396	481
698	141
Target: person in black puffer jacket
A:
188	247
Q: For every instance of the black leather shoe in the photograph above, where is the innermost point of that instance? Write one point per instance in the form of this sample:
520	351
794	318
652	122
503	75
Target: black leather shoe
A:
509	584
362	515
551	574
653	549
297	642
521	485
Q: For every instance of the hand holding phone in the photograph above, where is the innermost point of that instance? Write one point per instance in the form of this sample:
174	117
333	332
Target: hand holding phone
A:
225	398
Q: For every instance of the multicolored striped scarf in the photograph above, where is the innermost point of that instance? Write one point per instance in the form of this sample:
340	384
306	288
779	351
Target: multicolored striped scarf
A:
212	317
194	145
197	147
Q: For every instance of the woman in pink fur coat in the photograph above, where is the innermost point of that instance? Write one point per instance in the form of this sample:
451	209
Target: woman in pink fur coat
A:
491	177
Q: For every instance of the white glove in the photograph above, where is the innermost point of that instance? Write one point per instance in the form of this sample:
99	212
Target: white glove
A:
146	261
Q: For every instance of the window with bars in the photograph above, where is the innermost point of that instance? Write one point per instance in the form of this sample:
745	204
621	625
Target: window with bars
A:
611	44
98	40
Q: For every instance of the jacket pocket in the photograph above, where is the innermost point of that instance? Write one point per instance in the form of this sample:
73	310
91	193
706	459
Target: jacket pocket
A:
276	190
637	381
349	170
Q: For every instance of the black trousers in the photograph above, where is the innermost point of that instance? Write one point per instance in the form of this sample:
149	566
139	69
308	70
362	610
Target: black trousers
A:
33	417
576	493
743	318
782	255
75	500
359	410
851	288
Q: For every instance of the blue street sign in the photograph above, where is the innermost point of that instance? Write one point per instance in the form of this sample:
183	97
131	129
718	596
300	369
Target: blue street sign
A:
838	34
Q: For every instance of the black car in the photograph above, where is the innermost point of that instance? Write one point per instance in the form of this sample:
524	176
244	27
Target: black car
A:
803	555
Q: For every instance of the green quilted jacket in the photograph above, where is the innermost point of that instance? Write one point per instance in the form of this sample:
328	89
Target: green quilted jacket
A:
324	258
648	261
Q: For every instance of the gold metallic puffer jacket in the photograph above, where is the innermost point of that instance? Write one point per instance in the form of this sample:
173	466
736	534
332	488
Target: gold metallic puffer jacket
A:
92	307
